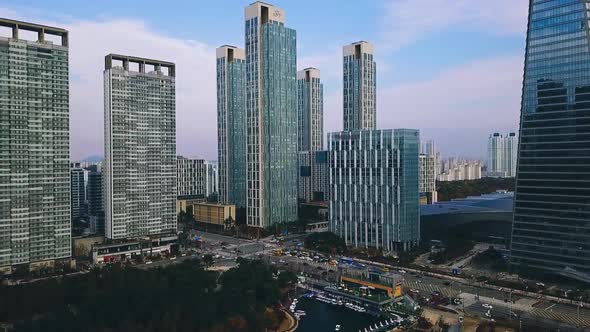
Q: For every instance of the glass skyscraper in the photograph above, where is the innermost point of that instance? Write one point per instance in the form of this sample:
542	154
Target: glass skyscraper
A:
231	125
360	86
271	116
374	183
140	147
551	230
35	223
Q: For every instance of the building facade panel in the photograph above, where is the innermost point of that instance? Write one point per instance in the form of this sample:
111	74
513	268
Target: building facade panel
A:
310	110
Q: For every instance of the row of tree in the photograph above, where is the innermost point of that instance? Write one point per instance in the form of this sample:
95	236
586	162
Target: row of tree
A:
182	297
448	190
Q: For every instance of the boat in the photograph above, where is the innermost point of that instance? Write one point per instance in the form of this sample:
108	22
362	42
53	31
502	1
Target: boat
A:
337	328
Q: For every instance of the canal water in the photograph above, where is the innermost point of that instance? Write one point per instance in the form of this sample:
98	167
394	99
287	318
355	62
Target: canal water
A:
322	317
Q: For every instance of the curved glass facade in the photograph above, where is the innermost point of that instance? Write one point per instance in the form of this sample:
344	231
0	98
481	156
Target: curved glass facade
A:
551	228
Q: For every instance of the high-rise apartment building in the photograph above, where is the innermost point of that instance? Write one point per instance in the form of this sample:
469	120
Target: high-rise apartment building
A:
140	147
77	192
551	210
374	184
191	178
314	176
231	125
428	194
35	224
502	151
310	110
271	116
360	86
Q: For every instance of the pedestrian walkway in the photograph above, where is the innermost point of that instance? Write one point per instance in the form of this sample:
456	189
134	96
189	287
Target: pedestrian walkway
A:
428	288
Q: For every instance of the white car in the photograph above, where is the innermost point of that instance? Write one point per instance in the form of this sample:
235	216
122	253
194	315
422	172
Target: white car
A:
487	306
148	262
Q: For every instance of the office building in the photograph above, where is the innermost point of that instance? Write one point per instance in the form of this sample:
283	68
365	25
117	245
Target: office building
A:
78	193
314	176
218	216
310	110
360	86
35	221
428	194
374	182
140	147
231	125
191	177
551	214
271	116
502	151
95	201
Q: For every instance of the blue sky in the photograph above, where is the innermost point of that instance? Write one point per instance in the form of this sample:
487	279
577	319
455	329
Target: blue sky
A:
451	68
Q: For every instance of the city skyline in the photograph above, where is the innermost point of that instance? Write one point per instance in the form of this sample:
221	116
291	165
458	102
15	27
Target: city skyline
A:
406	67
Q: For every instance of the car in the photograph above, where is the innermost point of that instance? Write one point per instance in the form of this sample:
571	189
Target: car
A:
415	291
487	306
402	271
172	258
148	262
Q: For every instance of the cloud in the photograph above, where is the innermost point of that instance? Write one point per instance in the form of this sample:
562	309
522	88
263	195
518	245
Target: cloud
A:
470	100
406	21
91	40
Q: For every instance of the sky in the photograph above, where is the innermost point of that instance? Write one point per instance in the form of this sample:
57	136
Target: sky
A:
451	68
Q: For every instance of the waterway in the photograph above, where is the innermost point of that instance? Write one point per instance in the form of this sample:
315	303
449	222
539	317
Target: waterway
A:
321	316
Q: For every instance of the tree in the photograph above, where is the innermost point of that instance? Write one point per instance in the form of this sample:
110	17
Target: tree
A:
208	260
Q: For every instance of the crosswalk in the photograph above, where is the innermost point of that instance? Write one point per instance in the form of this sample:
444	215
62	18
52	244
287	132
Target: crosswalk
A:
568	317
428	288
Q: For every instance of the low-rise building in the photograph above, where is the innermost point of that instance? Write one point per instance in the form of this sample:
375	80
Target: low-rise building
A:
127	249
221	215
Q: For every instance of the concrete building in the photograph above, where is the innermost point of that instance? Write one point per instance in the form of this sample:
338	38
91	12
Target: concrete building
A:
310	110
428	194
77	193
502	152
231	124
360	86
314	176
140	147
191	176
374	181
211	178
271	116
35	221
551	229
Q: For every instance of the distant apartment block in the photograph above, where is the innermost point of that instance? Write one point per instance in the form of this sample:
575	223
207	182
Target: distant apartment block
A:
428	173
140	147
35	221
458	170
310	110
374	188
502	153
314	176
359	86
211	178
78	192
191	177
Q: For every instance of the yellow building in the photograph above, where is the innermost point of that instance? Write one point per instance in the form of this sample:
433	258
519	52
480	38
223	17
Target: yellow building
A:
214	214
185	204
